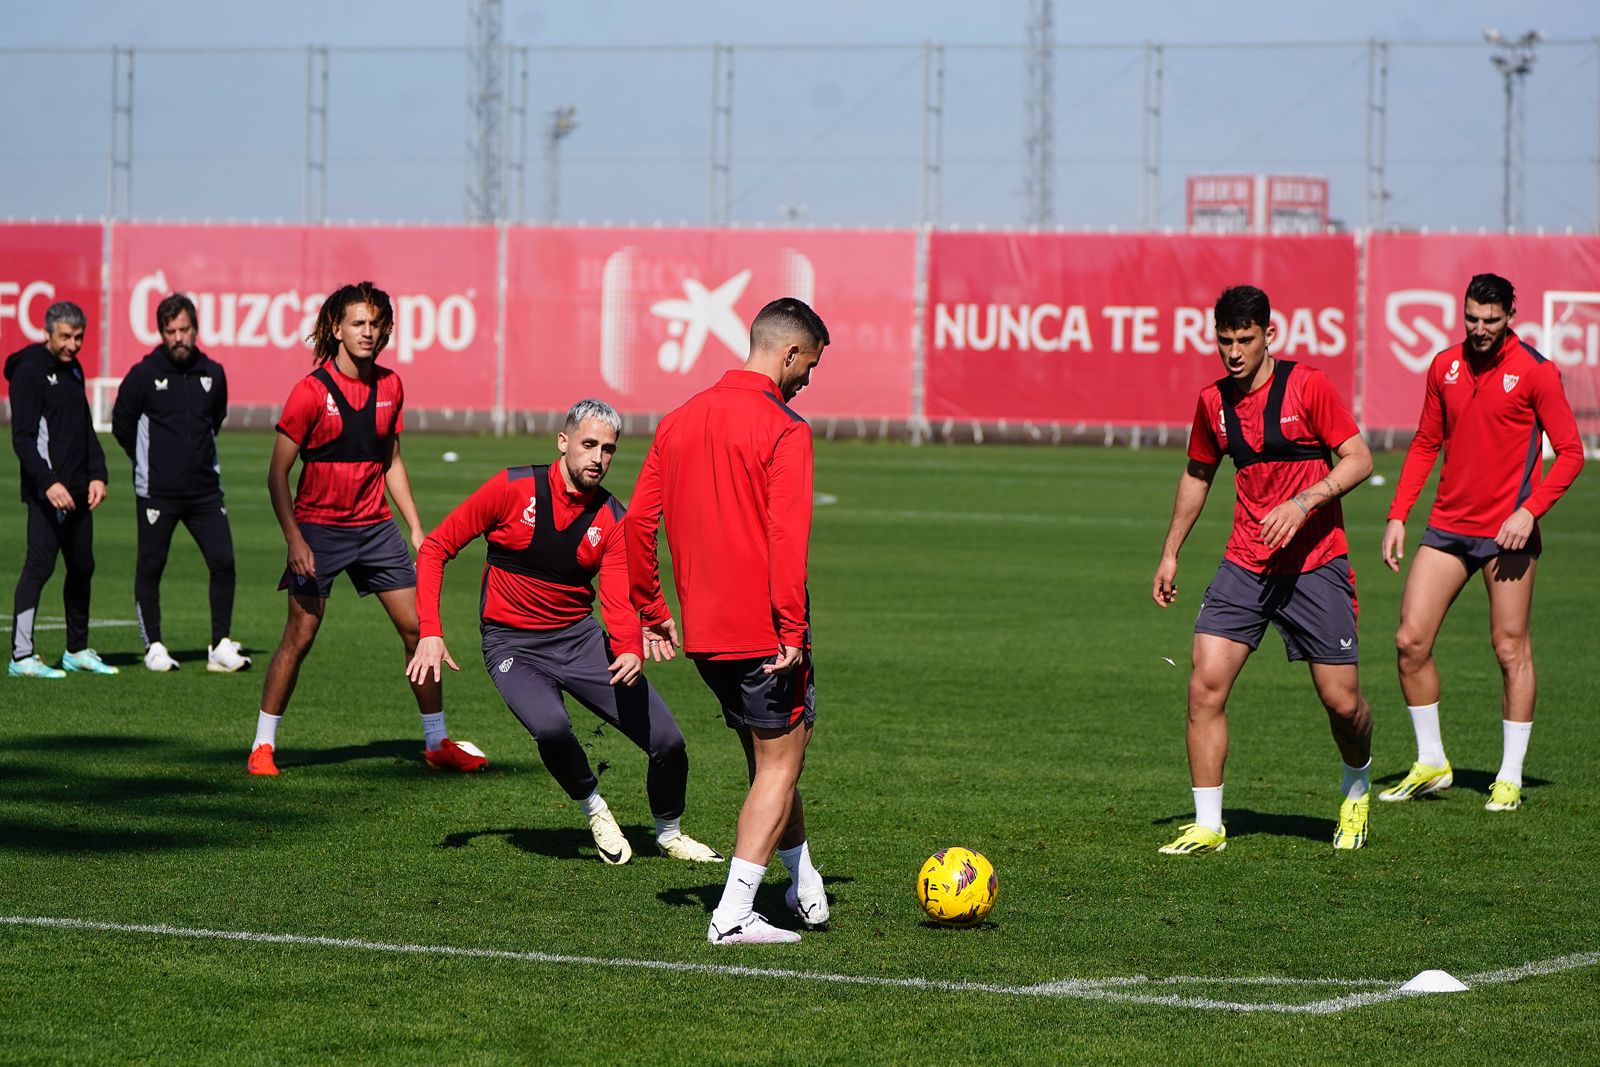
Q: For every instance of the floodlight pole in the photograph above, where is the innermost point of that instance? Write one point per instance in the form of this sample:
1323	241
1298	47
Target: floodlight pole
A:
563	120
1514	60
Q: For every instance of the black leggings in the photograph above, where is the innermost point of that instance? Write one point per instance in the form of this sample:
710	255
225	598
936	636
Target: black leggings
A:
70	533
207	522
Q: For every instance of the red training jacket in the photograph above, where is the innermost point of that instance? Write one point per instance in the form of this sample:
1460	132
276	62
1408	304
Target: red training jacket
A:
1489	420
731	469
502	509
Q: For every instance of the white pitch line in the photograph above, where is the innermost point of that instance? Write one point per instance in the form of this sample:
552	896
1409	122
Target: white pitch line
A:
61	624
1108	989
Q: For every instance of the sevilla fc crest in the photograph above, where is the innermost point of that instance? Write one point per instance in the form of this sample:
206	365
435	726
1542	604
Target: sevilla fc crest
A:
593	535
205	383
151	515
1509	381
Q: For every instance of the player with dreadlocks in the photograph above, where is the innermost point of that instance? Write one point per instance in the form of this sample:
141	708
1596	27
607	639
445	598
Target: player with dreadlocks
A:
343	423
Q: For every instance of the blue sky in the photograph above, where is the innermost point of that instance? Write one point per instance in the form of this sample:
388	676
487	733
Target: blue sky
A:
828	134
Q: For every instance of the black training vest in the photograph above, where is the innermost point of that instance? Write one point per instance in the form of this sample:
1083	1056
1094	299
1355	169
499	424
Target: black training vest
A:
1275	448
358	440
552	554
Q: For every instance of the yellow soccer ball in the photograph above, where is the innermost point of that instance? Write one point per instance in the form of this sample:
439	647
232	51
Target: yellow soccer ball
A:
957	887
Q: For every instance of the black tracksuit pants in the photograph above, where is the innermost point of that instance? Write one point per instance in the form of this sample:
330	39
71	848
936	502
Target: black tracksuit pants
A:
71	534
206	520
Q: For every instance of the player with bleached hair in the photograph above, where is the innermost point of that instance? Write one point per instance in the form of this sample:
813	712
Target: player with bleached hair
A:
552	529
343	422
1487	403
1287	560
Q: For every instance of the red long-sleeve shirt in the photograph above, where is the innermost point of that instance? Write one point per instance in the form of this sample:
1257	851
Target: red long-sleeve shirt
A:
1489	420
502	509
731	470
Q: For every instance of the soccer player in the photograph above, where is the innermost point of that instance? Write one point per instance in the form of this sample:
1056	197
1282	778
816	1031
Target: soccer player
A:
731	471
63	481
1287	561
551	530
343	421
168	411
1487	402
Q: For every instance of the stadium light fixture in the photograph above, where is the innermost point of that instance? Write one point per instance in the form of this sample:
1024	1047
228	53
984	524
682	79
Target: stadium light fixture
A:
1513	58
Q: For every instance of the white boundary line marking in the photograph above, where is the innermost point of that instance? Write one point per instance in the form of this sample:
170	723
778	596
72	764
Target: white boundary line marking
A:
1109	989
56	622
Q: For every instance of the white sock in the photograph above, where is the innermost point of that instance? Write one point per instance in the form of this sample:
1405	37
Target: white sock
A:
1357	780
594	804
1425	721
1516	740
267	729
739	895
667	829
1208	808
433	732
801	870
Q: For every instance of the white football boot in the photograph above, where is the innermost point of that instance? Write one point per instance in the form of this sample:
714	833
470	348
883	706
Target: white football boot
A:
755	930
608	839
684	847
158	659
225	657
810	906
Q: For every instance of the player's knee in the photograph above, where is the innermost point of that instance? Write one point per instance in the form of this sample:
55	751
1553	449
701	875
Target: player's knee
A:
1513	649
669	749
1413	648
221	568
1206	696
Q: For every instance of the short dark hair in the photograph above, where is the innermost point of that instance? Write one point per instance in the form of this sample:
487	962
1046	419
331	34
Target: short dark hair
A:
173	306
1492	289
1240	306
63	311
784	319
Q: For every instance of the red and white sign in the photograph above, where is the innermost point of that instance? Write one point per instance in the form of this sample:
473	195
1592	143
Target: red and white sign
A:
1222	203
1416	285
258	289
39	265
643	319
1117	329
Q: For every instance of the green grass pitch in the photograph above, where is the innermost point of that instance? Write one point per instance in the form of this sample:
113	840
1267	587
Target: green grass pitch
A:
992	673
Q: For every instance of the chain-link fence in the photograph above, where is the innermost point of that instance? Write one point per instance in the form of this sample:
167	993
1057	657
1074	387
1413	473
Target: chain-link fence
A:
1410	135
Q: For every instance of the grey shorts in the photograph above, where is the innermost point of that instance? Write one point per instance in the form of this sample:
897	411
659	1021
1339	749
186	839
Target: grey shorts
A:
752	698
1476	551
1315	612
375	556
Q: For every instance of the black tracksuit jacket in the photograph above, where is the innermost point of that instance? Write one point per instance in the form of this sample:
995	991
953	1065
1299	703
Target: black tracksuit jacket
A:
166	419
52	429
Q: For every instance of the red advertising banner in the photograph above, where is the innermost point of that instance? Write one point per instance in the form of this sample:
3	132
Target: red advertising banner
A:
258	289
40	264
643	319
1113	329
1415	288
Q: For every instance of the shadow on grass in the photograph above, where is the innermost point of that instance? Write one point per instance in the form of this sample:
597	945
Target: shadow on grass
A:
1242	822
769	898
1468	778
561	843
408	750
162	796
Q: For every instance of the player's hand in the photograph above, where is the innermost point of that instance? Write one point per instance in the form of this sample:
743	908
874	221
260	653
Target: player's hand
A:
661	640
97	493
60	497
1164	586
1282	523
1394	544
301	559
626	669
1515	531
788	659
430	653
417	537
